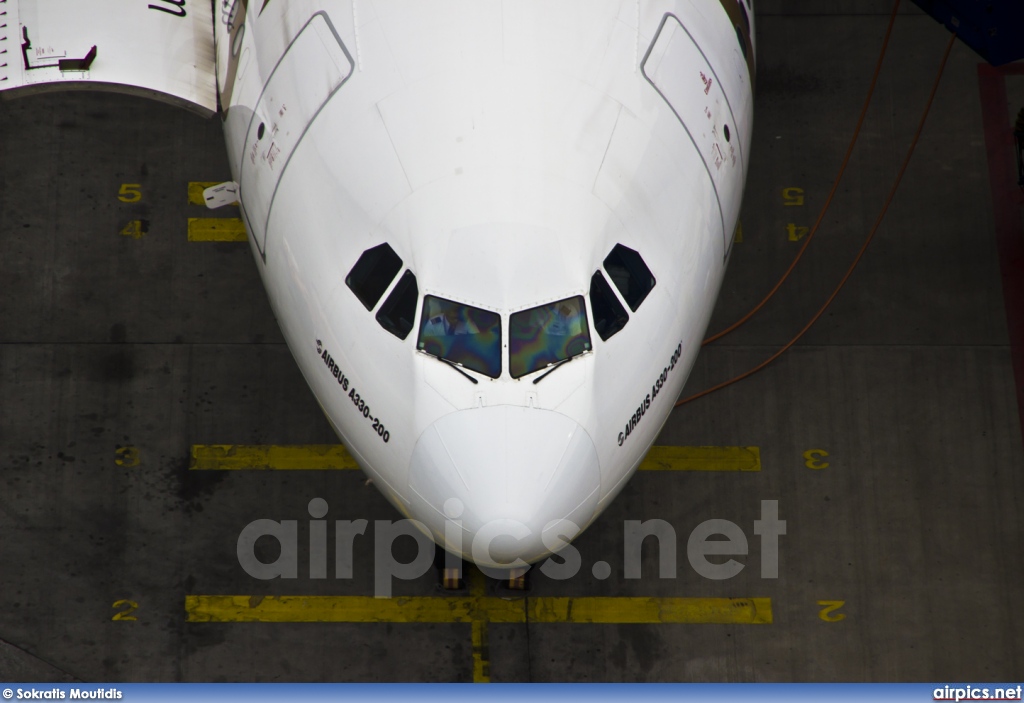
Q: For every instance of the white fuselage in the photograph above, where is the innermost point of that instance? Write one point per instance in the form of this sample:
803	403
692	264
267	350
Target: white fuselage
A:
502	149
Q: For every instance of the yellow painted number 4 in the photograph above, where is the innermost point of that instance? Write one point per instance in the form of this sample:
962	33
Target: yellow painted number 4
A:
134	229
130	193
128	607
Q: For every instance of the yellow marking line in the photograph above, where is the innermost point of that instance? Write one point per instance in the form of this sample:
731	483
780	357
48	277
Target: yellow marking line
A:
195	191
479	610
216	229
277	457
226	457
481	647
608	610
481	653
664	458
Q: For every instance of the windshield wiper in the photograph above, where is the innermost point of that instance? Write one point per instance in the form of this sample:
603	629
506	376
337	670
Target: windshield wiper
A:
456	367
551	369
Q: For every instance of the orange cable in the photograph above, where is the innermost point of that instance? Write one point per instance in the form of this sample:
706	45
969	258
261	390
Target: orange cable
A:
835	186
860	254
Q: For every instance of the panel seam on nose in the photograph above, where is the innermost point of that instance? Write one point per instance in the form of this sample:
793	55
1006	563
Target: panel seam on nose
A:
576	428
455	465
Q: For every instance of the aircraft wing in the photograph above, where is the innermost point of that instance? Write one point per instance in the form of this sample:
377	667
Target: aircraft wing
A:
162	50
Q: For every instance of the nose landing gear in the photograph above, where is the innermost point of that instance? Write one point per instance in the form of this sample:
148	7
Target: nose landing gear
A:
517	580
451	570
451	575
451	579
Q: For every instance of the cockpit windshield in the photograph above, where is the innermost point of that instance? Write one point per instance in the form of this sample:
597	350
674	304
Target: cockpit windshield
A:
546	335
462	334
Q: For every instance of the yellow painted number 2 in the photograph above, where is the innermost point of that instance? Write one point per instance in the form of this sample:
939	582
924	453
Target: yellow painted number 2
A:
129	607
828	610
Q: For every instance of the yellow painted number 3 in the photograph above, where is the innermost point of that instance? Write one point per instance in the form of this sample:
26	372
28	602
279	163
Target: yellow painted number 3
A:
813	459
126	456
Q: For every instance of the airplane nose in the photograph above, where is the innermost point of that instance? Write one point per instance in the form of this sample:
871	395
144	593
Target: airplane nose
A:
513	473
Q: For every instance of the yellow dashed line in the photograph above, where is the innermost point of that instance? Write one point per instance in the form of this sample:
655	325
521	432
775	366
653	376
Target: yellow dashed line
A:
439	609
222	457
216	229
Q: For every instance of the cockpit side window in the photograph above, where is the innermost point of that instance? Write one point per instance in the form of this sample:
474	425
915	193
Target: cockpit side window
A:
546	335
630	275
373	273
397	313
462	334
609	315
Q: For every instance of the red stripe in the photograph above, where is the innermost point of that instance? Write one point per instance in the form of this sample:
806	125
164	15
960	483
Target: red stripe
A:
1006	210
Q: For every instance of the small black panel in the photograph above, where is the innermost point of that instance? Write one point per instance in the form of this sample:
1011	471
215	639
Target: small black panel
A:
609	315
373	273
630	275
397	313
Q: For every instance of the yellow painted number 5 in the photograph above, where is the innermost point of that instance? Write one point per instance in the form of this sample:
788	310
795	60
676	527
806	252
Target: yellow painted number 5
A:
130	193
